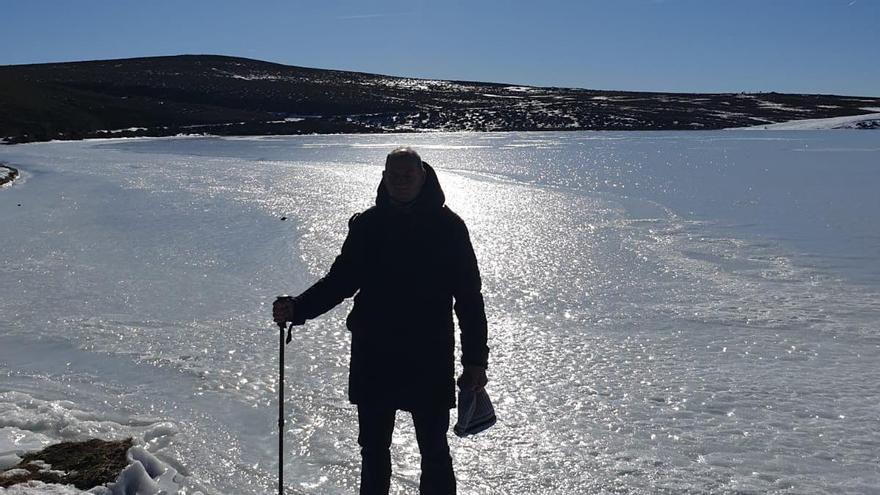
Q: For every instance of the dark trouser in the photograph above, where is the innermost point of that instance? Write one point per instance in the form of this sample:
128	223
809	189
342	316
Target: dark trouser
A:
376	424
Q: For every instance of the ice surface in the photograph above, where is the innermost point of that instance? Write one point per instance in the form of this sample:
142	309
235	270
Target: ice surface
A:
669	312
13	439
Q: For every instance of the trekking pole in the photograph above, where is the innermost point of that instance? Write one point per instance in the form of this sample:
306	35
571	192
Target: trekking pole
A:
281	326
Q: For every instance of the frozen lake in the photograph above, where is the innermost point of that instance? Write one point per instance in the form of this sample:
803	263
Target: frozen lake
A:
668	312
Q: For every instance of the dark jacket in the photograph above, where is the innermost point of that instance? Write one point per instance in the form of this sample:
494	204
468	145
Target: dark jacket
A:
406	264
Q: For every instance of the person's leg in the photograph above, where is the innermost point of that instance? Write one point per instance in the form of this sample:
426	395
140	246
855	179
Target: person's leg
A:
375	426
437	475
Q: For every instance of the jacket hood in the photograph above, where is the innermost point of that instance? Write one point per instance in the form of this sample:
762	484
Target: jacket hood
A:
430	198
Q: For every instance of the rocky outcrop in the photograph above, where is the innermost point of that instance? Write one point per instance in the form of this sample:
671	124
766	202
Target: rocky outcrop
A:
7	174
84	465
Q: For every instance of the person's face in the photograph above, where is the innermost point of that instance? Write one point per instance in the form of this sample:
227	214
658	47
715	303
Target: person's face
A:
403	179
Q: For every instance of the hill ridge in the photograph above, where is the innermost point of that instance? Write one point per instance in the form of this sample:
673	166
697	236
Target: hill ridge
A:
228	95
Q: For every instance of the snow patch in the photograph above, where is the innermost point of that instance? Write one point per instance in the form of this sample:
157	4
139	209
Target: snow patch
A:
251	76
849	122
24	421
284	121
259	77
779	106
419	84
14	472
127	129
489	95
145	474
40	488
521	89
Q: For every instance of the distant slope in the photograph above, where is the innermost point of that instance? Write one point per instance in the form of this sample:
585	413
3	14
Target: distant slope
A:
866	121
225	95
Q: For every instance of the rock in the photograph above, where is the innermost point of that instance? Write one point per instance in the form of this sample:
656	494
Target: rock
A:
83	464
7	174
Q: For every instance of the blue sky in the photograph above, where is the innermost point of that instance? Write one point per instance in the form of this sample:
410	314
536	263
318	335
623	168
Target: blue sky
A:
814	46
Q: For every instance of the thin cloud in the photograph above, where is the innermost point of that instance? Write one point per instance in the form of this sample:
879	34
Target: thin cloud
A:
374	16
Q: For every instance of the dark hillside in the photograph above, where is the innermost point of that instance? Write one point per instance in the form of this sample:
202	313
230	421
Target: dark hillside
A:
225	95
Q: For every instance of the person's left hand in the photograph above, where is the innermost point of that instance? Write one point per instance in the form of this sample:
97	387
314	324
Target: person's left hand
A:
473	378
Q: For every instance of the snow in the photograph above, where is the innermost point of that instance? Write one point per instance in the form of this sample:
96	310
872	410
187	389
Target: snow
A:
127	129
260	77
145	474
489	95
725	115
522	89
14	472
254	76
779	106
286	120
818	124
37	487
416	84
669	311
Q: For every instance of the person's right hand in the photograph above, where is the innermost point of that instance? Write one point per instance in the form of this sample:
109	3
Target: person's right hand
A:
282	310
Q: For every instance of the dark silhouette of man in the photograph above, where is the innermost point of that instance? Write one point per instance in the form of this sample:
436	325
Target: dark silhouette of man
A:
407	258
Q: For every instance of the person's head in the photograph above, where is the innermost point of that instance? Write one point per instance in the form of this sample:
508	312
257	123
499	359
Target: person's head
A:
404	174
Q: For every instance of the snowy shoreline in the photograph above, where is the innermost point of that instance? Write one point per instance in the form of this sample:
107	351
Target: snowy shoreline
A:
868	121
859	122
85	464
37	459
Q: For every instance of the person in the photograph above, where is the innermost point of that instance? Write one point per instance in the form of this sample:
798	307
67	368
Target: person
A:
408	258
